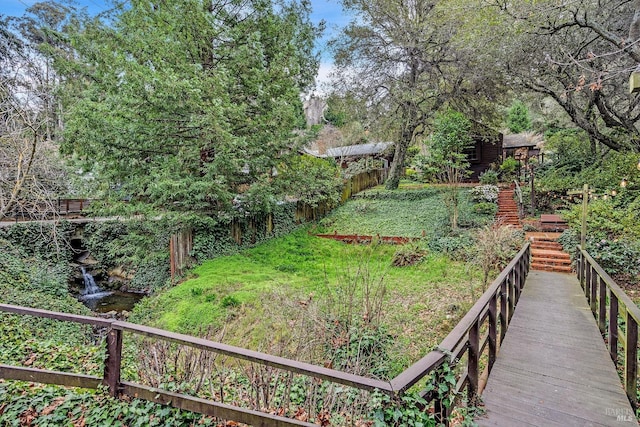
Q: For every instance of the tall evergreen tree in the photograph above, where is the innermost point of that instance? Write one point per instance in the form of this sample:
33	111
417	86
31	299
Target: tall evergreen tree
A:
186	103
518	118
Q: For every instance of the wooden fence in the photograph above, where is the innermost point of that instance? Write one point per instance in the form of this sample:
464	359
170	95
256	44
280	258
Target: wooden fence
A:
181	243
363	181
617	317
471	347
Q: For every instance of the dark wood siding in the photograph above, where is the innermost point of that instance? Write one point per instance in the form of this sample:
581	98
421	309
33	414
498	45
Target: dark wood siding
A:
487	152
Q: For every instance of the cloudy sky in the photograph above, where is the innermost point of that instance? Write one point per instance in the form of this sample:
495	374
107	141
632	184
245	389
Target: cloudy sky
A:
329	10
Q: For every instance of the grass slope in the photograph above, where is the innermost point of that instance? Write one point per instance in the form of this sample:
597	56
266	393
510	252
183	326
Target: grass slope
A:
422	303
413	212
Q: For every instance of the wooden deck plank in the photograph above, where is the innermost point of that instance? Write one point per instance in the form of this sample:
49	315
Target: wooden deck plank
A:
553	367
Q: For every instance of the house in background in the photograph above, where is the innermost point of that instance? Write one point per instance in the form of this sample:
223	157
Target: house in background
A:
487	150
347	154
522	146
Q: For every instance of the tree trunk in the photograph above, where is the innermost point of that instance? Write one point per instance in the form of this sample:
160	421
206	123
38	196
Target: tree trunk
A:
395	172
397	166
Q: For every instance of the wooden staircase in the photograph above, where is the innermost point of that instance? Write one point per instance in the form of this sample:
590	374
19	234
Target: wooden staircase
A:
547	253
508	209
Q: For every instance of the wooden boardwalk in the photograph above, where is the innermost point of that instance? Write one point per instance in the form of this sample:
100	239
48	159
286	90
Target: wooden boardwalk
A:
553	368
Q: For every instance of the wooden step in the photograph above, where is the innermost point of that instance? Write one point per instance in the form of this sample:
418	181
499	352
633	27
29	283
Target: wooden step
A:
553	268
551	262
550	253
545	244
508	212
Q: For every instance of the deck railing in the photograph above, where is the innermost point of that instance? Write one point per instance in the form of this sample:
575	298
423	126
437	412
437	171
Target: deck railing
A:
473	344
617	317
471	347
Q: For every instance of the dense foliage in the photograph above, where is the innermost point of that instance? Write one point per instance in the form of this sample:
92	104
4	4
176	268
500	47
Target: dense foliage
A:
23	404
518	119
189	103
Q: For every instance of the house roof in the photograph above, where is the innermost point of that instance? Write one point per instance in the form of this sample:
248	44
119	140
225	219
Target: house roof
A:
359	150
518	140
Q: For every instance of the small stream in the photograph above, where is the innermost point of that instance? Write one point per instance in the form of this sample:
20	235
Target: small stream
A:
101	300
118	301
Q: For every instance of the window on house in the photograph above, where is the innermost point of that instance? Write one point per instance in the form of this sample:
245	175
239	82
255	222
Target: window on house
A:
473	153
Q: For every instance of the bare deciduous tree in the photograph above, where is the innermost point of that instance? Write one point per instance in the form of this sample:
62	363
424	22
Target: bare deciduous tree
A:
400	59
578	53
30	170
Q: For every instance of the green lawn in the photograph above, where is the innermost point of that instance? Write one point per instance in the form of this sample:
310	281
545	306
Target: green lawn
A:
255	297
413	212
422	303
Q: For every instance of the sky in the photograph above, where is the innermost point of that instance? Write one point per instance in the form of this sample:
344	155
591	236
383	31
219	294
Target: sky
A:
329	10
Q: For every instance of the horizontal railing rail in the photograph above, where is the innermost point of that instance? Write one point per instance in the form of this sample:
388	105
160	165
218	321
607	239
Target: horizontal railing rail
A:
480	332
27	210
617	317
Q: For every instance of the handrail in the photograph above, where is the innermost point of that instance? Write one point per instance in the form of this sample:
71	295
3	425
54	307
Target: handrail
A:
434	359
494	310
360	382
605	298
496	306
518	191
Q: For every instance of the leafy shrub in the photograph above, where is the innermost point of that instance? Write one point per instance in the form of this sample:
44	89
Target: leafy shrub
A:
407	410
456	247
229	301
310	180
569	239
412	174
485	193
485	208
495	247
508	169
360	346
604	219
616	256
489	177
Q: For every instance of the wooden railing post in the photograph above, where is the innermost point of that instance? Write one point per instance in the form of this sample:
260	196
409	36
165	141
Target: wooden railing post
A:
602	306
113	362
493	332
587	282
512	295
613	327
580	268
473	361
517	274
631	360
504	296
593	287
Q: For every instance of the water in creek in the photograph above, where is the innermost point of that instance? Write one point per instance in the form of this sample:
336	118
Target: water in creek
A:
104	301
